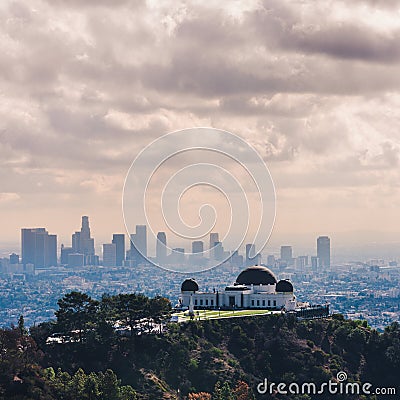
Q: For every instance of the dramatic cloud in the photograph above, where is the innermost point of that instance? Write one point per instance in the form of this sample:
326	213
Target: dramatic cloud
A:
85	85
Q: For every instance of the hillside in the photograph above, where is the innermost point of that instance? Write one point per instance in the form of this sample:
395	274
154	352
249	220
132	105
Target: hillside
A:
225	359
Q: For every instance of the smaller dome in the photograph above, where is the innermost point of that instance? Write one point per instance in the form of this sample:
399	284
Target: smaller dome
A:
284	286
189	285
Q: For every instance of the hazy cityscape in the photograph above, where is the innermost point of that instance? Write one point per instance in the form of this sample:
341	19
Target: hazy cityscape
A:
31	282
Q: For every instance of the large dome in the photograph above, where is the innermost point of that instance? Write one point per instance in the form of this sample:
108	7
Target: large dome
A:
257	275
284	286
189	285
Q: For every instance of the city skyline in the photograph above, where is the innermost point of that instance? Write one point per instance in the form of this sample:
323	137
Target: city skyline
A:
40	249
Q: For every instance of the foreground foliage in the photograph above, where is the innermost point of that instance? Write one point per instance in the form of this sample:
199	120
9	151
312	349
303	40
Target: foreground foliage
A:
212	360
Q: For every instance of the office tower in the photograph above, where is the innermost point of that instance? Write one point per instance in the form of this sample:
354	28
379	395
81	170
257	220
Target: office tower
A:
83	243
76	242
38	247
286	253
301	262
65	251
197	247
119	241
250	253
218	251
324	251
271	261
138	250
141	239
314	263
214	238
75	260
86	242
161	247
51	250
109	255
14	258
237	259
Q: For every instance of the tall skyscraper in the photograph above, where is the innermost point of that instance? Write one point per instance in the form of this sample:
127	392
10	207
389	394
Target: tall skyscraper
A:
197	247
286	253
218	251
161	247
324	251
214	238
138	251
83	243
250	253
119	241
141	239
109	255
38	247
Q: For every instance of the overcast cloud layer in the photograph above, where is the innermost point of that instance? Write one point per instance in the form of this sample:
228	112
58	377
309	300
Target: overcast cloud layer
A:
314	86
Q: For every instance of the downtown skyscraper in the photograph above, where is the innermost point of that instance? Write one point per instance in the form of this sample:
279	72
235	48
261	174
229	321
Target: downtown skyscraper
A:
83	243
119	241
161	247
38	247
324	251
138	249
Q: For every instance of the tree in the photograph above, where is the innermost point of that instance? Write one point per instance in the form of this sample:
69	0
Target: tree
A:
130	309
91	387
159	309
127	393
21	326
77	311
109	385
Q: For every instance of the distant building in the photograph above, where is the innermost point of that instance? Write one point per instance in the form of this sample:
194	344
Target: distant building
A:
301	262
138	249
83	243
14	258
286	253
314	263
141	239
109	255
218	251
197	247
214	238
76	260
119	241
324	251
161	247
38	247
271	261
65	251
250	254
236	259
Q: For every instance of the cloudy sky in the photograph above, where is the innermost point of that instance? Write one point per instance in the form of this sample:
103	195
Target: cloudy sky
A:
314	86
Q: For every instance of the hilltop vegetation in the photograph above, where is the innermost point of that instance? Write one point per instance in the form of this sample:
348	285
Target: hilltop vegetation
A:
215	359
